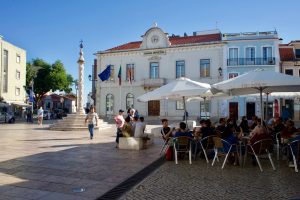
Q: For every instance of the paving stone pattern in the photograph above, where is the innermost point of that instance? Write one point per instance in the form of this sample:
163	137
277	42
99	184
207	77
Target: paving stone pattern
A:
36	163
202	181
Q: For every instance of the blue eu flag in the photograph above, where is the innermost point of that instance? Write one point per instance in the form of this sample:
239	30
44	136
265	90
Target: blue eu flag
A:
105	74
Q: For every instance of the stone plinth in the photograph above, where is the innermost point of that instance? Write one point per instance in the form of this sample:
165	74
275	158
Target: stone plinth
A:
75	122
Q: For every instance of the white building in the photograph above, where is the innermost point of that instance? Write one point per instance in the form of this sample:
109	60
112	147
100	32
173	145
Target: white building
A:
153	62
12	74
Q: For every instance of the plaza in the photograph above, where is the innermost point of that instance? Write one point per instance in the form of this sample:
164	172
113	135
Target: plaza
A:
36	163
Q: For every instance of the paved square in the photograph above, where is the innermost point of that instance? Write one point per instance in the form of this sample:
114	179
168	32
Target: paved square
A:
36	163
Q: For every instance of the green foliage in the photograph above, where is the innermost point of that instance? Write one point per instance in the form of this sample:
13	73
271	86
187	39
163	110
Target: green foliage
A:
47	77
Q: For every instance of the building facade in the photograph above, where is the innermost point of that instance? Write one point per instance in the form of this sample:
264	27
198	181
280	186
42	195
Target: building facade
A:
12	74
246	52
153	62
290	64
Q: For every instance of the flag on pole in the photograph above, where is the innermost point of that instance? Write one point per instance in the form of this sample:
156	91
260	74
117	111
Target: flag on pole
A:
31	94
120	75
105	74
129	75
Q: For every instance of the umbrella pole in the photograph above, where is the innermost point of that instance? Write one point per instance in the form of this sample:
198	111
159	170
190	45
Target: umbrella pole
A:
267	106
261	105
184	105
204	98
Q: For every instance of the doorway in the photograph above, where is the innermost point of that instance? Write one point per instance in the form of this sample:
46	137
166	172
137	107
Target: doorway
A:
250	110
233	110
153	108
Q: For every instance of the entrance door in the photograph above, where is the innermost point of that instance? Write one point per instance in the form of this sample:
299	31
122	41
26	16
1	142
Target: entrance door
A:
250	109
234	110
153	108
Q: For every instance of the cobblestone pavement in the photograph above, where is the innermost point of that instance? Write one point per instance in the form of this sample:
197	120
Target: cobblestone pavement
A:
36	163
202	181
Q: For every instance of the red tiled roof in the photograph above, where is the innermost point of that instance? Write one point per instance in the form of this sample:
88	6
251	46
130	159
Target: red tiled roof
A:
174	41
286	54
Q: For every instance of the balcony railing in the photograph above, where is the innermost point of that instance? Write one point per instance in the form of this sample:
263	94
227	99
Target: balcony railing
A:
250	61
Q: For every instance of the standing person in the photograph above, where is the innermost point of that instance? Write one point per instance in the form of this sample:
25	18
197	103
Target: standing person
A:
119	119
40	115
92	119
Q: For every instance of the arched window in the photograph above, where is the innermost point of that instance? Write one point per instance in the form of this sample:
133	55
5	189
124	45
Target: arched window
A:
129	101
109	104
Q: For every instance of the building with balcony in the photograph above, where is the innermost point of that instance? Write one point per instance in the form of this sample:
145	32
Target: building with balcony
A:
12	76
154	61
290	64
246	52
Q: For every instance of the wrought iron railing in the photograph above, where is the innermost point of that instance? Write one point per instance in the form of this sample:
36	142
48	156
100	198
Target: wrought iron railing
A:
250	61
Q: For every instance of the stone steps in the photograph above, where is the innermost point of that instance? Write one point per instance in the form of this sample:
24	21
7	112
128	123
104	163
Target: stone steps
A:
75	122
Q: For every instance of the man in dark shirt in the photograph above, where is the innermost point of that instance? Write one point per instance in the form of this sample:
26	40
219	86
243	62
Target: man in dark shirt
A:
182	131
222	125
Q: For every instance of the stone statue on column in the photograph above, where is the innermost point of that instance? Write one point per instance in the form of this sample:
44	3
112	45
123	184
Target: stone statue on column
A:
80	62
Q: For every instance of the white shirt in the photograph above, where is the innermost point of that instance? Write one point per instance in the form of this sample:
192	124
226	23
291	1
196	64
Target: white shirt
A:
139	129
40	112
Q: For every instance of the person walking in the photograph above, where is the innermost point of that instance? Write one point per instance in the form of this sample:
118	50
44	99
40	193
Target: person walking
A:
40	115
119	119
92	119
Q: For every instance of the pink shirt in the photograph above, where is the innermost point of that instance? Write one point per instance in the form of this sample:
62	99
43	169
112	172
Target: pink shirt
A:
119	119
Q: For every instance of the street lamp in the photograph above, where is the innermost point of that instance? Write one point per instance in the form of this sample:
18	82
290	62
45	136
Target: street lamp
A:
93	88
220	71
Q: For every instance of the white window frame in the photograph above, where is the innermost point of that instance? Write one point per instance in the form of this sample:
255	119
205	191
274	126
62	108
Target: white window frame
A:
238	52
179	105
18	75
262	52
150	70
17	91
210	64
18	58
181	60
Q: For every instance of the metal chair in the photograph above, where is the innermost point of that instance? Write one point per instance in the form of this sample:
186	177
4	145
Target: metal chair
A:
295	150
260	148
207	144
223	147
182	144
165	146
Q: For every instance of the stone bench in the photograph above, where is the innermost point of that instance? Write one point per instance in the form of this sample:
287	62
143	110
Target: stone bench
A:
132	143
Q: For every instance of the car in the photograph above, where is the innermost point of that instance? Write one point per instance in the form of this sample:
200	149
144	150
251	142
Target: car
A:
59	113
7	117
47	114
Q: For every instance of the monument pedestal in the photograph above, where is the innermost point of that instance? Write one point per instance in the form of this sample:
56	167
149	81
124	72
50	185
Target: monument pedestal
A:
75	122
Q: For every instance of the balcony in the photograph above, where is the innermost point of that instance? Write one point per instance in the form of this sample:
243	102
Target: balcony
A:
250	61
151	83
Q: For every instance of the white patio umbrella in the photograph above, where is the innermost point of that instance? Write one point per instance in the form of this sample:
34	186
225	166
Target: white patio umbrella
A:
180	88
259	81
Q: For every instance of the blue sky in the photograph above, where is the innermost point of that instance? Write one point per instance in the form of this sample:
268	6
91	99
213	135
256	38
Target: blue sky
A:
52	29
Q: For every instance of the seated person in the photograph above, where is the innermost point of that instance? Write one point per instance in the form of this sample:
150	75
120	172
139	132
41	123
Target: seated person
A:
222	125
206	129
126	129
259	133
182	131
244	125
140	127
253	123
258	127
289	130
231	138
277	127
166	131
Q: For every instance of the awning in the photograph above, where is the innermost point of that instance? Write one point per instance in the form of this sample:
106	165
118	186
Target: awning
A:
18	103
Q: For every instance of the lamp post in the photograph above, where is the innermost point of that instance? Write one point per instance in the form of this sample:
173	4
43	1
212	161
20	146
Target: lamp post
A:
93	88
220	70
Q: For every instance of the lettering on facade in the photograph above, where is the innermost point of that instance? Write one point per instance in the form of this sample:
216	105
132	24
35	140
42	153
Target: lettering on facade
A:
158	52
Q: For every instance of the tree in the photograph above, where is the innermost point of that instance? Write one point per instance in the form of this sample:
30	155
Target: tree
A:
47	77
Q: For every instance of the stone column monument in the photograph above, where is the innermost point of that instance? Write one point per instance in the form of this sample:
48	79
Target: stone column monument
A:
80	81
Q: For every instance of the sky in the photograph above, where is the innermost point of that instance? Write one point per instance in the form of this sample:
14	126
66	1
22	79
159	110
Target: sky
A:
52	29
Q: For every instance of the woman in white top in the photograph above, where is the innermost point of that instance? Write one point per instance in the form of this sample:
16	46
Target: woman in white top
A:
40	115
92	119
